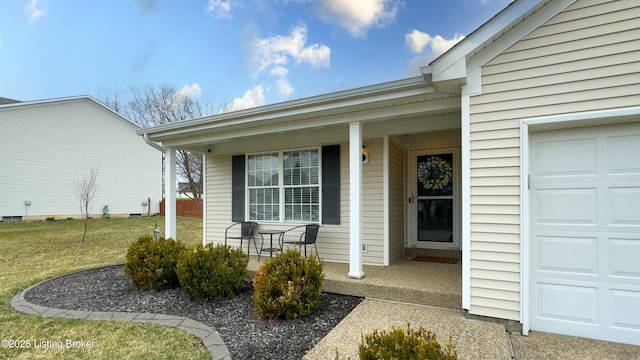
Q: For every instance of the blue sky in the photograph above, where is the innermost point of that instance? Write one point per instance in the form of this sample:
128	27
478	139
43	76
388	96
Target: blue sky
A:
230	54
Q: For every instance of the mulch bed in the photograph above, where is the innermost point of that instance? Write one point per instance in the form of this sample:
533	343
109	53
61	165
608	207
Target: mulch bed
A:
246	336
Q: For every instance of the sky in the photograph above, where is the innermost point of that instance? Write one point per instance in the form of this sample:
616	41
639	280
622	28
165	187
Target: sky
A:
228	54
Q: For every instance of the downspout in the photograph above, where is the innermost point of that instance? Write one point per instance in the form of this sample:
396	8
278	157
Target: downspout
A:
162	150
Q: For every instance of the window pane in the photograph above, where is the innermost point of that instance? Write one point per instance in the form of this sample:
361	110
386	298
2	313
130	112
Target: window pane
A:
287	176
300	177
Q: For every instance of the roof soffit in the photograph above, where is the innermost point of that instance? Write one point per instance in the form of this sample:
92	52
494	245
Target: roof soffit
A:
432	105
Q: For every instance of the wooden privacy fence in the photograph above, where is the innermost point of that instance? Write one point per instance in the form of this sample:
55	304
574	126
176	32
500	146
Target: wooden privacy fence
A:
187	208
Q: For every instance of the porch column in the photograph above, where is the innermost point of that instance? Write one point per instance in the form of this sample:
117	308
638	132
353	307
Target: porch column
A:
355	200
170	193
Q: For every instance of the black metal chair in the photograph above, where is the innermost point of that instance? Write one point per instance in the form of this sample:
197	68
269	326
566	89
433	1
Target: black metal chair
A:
308	237
247	232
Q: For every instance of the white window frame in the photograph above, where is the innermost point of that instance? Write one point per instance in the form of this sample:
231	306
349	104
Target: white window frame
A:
281	187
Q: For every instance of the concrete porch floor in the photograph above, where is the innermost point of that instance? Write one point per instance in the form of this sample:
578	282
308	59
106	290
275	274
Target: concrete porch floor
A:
415	282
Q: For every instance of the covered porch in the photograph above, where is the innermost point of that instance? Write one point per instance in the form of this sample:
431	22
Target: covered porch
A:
415	282
375	211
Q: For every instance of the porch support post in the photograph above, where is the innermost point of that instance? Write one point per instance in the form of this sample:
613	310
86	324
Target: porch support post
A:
355	200
170	193
471	88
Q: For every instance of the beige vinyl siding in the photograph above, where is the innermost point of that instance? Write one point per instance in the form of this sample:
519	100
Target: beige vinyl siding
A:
218	197
372	203
583	59
396	201
333	240
45	146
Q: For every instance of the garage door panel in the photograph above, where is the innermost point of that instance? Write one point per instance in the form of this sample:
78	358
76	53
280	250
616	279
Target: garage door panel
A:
625	259
564	302
626	309
568	158
622	154
567	206
624	205
552	255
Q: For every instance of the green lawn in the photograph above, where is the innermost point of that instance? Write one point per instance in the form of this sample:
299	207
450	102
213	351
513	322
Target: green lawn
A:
32	252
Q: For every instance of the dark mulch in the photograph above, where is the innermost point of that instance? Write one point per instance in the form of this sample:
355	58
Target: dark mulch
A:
247	337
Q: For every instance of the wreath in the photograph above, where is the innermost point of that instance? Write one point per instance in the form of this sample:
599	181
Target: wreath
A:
435	173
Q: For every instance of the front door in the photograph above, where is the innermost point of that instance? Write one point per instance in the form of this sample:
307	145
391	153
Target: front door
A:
434	198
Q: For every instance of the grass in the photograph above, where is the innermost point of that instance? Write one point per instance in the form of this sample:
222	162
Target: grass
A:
32	252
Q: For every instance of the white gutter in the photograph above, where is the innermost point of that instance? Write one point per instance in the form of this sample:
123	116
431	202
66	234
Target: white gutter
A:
151	143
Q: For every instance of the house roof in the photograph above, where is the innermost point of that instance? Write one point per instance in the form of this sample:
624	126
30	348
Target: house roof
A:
370	103
4	101
436	91
19	104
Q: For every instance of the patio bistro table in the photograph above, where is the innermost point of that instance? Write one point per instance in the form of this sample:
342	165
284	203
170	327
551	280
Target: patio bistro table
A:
270	249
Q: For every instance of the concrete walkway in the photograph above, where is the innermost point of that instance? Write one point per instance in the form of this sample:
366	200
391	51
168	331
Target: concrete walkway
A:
473	339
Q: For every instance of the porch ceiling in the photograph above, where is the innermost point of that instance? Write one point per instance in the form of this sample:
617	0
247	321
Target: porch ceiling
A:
393	103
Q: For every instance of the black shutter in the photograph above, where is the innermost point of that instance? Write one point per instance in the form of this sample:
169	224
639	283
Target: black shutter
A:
331	184
237	188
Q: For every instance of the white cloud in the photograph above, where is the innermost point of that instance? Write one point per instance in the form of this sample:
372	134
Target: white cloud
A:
440	45
219	8
417	40
284	87
276	51
32	11
358	16
251	98
192	91
274	54
279	71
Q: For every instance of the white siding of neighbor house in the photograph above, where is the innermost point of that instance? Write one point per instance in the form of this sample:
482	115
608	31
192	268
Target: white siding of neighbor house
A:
333	240
583	59
45	146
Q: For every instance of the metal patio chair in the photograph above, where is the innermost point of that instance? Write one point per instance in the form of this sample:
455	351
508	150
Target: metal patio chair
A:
308	237
247	232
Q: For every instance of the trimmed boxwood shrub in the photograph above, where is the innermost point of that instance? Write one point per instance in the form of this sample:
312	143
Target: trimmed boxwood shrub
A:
151	264
421	344
211	272
287	286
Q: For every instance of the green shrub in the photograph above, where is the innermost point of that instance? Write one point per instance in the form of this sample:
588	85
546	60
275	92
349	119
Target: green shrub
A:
287	286
151	264
211	272
420	344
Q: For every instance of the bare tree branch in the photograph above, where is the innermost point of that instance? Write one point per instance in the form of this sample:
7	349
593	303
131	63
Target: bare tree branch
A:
161	105
84	188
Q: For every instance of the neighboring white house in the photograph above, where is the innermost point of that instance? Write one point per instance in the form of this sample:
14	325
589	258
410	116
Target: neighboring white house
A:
519	148
45	146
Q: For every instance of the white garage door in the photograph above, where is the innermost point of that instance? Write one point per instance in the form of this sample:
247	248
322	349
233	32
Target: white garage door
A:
585	232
